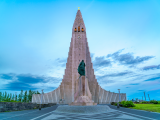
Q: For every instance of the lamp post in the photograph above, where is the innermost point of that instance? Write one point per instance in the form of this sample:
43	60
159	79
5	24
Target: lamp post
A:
119	99
41	100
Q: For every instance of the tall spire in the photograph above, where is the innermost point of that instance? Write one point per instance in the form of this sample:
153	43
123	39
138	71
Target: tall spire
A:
78	22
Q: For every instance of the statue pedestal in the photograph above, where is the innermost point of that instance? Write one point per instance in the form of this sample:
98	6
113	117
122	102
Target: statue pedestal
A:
82	96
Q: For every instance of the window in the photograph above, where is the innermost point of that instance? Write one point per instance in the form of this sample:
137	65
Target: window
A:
82	30
78	28
75	30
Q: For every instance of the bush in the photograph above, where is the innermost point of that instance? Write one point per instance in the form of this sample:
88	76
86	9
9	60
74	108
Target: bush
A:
112	103
127	104
154	102
145	102
124	104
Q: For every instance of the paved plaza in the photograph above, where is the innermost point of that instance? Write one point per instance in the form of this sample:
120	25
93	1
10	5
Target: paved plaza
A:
50	113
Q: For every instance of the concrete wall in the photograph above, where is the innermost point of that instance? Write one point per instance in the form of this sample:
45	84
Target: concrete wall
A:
104	97
13	106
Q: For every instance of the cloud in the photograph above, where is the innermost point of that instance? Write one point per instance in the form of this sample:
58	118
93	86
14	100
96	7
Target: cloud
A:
134	84
6	76
61	61
101	62
152	79
92	55
114	75
128	58
140	90
152	67
27	81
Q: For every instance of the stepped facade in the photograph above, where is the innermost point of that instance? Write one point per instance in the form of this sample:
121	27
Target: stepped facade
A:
78	51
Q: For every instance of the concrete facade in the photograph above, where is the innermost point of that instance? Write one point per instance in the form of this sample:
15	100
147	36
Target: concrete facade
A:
78	51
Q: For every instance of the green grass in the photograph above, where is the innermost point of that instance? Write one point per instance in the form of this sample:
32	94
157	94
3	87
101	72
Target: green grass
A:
147	107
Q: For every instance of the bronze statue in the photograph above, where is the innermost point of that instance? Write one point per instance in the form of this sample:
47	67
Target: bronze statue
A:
81	68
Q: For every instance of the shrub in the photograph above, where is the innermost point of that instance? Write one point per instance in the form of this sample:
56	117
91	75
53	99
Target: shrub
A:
127	104
154	102
112	103
145	102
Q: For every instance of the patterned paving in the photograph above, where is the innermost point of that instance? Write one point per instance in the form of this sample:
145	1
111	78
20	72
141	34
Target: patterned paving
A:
111	115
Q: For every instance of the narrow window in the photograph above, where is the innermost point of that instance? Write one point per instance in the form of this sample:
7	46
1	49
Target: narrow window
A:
79	54
82	30
75	30
78	28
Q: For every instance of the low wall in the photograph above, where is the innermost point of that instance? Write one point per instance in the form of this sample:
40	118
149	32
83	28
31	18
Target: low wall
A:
12	106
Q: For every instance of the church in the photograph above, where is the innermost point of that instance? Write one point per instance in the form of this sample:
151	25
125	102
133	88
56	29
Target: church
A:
78	51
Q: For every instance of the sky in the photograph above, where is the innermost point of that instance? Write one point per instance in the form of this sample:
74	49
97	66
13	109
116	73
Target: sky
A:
123	38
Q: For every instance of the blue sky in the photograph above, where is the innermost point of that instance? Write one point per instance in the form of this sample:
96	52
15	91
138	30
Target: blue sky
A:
123	37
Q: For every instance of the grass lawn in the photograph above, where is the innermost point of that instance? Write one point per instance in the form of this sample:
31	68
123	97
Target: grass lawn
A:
147	107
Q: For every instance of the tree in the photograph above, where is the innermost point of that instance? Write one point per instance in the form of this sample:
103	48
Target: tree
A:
30	96
0	96
13	97
19	98
25	96
37	92
5	96
10	98
21	95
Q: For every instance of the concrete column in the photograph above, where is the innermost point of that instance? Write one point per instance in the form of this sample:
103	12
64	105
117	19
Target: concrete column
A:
51	97
115	97
47	97
43	97
35	98
106	96
110	97
55	96
102	96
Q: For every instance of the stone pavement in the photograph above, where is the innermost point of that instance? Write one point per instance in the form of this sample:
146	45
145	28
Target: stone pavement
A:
112	114
83	109
50	114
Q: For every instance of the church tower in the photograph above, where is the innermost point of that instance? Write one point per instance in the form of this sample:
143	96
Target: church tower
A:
78	51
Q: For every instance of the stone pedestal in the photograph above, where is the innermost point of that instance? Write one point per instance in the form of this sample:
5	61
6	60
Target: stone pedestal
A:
82	96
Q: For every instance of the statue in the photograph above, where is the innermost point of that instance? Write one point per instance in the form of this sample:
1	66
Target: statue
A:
81	68
82	95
